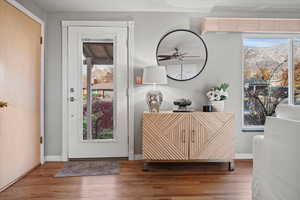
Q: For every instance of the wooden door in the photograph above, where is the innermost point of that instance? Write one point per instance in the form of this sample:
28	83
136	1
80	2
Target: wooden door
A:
165	136
211	135
20	61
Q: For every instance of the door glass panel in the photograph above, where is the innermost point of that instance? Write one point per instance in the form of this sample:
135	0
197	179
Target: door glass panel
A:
97	91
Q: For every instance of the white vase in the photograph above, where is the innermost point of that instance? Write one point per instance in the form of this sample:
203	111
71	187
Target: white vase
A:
218	106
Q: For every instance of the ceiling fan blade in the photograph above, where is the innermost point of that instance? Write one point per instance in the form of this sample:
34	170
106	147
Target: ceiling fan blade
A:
163	59
191	56
164	55
182	54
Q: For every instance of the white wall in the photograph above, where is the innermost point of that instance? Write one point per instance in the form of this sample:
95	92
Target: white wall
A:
30	5
224	65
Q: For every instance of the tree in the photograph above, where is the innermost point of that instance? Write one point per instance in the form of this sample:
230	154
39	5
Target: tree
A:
263	101
297	80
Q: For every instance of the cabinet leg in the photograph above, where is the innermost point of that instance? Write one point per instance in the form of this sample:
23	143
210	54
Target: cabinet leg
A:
145	167
231	166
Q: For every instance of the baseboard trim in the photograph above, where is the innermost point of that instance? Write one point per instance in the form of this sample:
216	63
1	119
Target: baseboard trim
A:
239	156
19	178
53	158
244	156
138	156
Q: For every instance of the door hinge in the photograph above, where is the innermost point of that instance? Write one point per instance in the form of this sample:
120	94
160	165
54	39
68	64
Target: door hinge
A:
41	40
41	140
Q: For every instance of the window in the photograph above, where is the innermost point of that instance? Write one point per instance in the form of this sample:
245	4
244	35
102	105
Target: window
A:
271	76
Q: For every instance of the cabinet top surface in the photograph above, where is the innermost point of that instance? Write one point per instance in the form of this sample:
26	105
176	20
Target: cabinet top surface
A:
185	113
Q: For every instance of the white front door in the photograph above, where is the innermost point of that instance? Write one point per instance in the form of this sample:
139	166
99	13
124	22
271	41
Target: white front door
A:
97	60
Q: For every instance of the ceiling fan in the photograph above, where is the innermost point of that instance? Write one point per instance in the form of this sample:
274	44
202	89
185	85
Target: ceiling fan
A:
176	55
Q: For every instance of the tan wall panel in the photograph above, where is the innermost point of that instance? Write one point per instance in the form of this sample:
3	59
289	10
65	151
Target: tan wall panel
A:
20	58
250	25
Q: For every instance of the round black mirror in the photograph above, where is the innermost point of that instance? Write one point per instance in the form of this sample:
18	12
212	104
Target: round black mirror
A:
183	52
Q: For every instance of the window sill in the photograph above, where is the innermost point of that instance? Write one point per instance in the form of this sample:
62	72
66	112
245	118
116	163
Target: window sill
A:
252	130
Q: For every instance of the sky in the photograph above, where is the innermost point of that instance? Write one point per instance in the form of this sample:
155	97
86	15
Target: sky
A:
264	42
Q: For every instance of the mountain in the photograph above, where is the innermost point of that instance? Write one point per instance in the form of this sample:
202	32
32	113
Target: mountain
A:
267	63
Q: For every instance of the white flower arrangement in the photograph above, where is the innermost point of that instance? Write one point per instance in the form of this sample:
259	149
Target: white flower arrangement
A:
218	93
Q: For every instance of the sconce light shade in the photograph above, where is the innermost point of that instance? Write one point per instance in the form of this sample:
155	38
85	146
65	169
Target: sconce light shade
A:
155	75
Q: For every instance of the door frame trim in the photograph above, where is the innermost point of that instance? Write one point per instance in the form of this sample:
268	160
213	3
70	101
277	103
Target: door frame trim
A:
130	89
42	75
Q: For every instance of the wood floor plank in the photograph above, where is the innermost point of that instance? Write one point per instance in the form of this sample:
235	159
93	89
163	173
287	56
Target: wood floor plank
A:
201	181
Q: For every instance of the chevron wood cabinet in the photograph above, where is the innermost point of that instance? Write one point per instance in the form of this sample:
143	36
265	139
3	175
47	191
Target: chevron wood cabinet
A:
189	137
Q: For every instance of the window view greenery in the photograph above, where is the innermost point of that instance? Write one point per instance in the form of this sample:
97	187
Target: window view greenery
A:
266	73
101	102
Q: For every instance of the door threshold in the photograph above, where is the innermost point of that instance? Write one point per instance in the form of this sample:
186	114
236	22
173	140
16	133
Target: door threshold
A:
98	159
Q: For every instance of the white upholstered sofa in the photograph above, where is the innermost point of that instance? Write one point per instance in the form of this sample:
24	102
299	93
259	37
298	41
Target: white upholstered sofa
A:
276	170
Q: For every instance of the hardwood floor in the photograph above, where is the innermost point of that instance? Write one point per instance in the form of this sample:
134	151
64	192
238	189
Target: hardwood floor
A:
201	181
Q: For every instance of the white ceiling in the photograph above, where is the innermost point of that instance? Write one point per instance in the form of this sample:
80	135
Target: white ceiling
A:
201	6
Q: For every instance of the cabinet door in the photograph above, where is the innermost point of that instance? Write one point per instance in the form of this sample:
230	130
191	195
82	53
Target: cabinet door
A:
211	136
165	136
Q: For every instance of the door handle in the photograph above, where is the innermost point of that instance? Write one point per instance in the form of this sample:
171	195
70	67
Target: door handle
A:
72	99
193	136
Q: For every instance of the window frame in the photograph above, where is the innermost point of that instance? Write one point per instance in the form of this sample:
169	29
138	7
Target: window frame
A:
291	82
